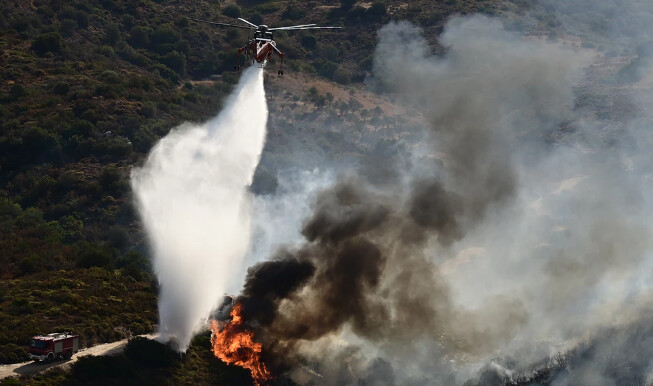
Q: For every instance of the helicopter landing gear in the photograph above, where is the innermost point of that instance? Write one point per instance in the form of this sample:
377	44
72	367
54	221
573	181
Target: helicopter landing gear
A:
280	72
236	68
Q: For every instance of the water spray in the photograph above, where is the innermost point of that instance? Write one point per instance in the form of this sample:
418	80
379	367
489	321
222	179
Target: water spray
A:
192	196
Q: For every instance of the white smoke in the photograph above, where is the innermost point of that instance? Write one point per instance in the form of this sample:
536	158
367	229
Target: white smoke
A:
192	195
555	219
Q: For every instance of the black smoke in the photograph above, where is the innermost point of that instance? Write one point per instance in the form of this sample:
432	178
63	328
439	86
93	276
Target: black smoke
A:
488	237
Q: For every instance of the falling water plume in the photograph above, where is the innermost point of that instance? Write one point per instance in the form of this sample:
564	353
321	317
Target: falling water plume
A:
192	195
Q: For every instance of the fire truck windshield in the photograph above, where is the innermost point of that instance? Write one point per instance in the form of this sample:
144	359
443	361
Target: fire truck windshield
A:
38	343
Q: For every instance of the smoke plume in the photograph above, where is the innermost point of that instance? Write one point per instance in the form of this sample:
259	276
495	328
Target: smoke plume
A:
517	228
192	195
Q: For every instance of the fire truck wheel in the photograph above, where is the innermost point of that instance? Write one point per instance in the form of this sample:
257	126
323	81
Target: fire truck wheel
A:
68	355
50	358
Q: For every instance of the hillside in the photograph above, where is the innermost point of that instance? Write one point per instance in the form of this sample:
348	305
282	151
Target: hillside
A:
89	86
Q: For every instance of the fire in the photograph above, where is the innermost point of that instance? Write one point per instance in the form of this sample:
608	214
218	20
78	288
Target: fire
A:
235	345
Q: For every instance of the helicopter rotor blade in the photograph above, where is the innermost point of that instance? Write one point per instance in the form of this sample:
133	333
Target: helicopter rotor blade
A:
300	28
221	24
291	26
246	22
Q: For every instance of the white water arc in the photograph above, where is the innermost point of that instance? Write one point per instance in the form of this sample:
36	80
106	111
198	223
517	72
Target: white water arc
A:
192	196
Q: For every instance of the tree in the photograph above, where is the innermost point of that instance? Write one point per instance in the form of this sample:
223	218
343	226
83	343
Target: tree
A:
327	69
176	61
377	11
320	101
165	35
91	255
329	98
346	5
47	42
16	91
342	76
292	12
340	106
112	181
309	41
112	34
40	145
364	114
330	52
140	36
256	18
231	11
354	104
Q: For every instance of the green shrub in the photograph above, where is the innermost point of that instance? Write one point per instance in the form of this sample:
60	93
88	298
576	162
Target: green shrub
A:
377	11
292	12
346	5
67	27
112	181
256	18
30	264
16	91
22	23
107	51
183	46
176	61
165	72
149	108
130	55
182	22
117	238
342	76
309	41
269	7
356	15
139	36
91	255
164	35
48	42
327	69
61	88
231	11
114	149
128	21
110	77
112	34
144	139
40	146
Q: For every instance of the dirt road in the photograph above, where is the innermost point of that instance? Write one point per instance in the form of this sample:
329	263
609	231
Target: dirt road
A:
29	368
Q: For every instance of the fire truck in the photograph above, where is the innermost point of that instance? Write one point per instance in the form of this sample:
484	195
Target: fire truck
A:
51	346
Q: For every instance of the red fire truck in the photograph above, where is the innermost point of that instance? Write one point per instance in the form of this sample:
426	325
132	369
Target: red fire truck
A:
51	346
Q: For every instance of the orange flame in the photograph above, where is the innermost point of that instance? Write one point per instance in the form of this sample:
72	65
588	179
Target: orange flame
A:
235	345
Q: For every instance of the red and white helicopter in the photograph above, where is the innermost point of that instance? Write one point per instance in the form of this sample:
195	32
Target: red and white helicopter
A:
262	46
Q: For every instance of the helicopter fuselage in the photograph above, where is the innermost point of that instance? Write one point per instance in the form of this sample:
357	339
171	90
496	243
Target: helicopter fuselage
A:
261	47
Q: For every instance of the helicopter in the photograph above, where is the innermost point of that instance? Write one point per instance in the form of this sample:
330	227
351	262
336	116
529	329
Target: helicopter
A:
261	47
